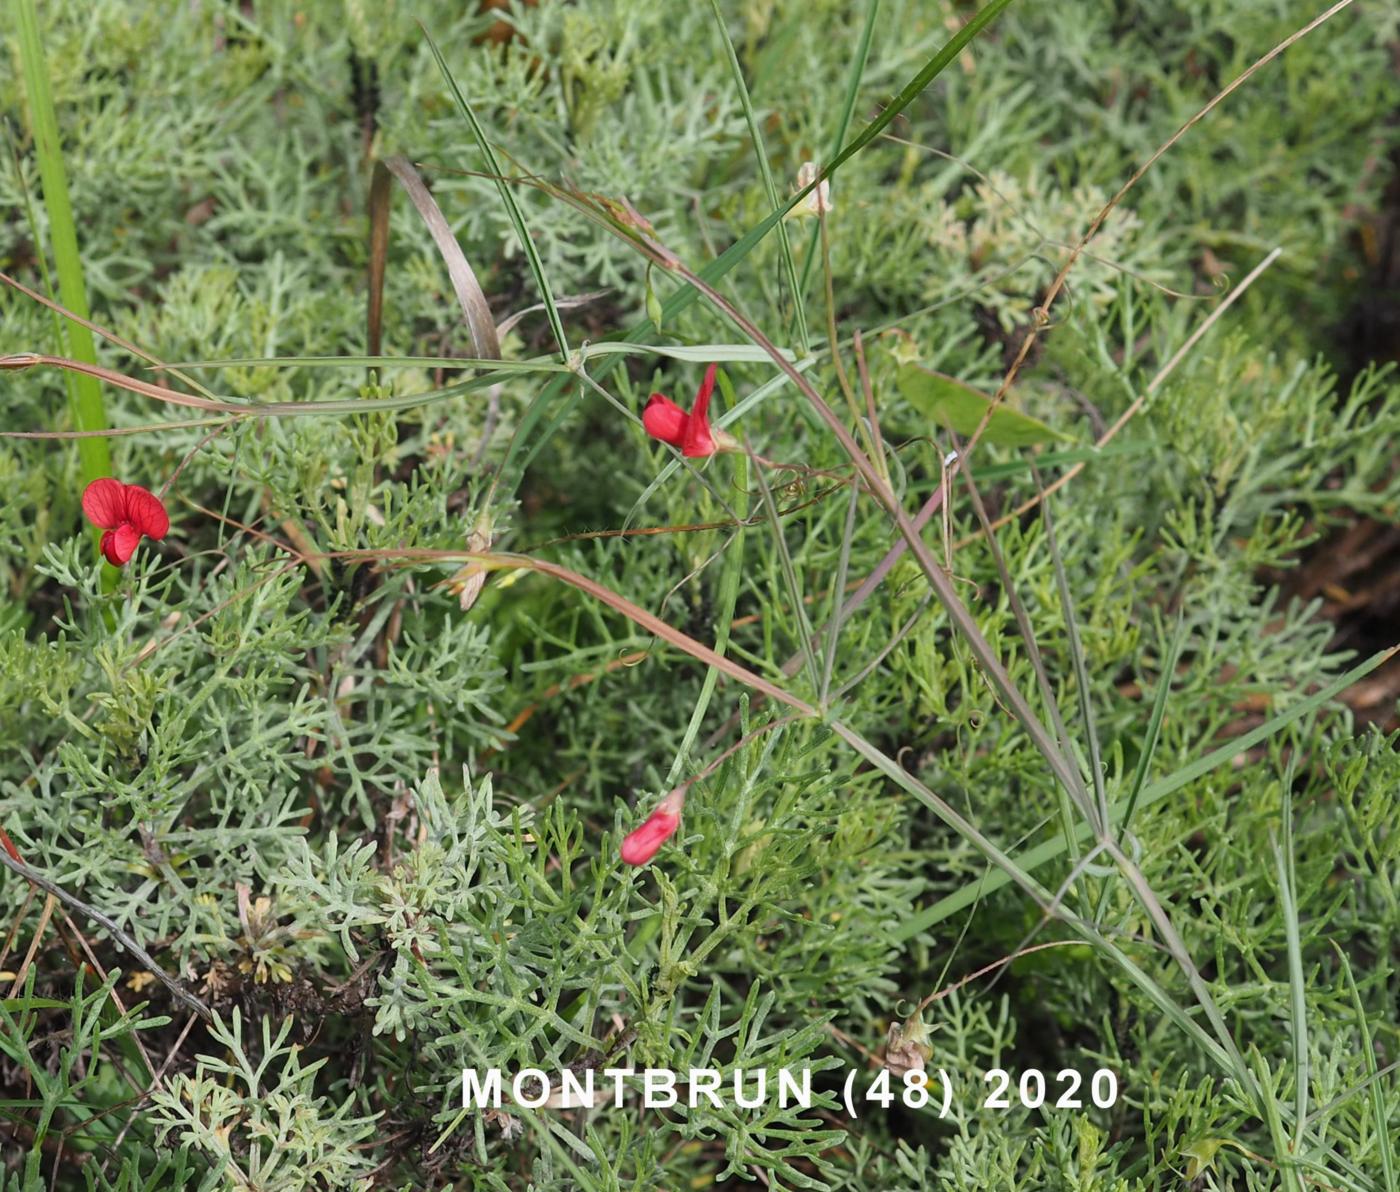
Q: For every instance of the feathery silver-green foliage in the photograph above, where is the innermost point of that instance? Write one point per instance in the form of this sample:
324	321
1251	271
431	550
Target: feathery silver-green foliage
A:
294	778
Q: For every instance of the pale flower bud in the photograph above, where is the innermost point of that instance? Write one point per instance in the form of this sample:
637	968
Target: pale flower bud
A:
819	201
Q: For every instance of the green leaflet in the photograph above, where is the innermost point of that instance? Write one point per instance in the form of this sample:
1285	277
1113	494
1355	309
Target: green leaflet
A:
959	407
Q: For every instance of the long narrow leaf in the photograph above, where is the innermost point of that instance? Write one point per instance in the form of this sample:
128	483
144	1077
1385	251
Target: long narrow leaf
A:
517	219
1051	849
765	172
1379	1112
85	395
848	107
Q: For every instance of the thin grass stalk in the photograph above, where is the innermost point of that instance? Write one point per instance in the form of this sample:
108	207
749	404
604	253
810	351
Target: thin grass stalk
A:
517	217
1078	798
843	566
1023	625
1154	792
84	394
1379	1110
843	126
834	342
765	173
1042	319
1098	811
790	581
729	584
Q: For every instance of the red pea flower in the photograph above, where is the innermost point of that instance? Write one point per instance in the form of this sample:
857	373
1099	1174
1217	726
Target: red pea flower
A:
127	512
691	432
641	845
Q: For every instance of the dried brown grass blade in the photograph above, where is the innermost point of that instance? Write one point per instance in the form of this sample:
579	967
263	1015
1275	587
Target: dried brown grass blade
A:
485	343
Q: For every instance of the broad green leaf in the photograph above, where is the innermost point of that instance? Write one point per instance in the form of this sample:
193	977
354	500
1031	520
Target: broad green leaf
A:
959	407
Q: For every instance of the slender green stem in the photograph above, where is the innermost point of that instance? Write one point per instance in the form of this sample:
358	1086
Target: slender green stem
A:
517	217
794	589
1379	1110
862	55
834	339
84	392
729	584
799	312
1153	792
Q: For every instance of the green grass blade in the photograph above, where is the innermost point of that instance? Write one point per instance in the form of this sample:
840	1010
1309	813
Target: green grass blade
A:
848	107
729	584
1273	1118
1149	745
714	270
1078	794
1040	855
1378	1105
838	595
799	311
537	364
1097	812
1298	1006
693	354
517	219
84	392
1154	724
794	589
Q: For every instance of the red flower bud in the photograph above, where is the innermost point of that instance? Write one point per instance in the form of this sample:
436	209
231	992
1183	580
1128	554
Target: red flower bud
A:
641	845
127	512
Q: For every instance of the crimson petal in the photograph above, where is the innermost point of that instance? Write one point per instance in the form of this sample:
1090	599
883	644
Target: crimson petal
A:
145	512
702	395
665	420
104	503
698	440
120	544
